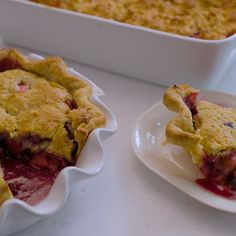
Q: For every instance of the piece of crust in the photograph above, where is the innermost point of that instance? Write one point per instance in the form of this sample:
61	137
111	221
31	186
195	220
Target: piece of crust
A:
180	130
5	192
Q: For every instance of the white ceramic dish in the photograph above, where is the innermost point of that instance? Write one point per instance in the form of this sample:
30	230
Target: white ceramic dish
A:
146	54
170	161
16	215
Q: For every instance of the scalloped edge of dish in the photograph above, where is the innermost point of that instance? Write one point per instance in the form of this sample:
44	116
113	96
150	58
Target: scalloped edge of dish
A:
12	210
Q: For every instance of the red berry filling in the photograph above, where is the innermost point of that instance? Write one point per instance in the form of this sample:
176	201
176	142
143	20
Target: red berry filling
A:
220	174
195	35
29	174
222	168
216	188
8	64
22	87
71	104
190	101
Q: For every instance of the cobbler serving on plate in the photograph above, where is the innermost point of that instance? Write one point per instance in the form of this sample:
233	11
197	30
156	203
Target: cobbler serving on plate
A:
45	118
207	131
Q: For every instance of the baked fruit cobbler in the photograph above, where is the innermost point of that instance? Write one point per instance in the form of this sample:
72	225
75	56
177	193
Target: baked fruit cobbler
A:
207	131
205	19
45	118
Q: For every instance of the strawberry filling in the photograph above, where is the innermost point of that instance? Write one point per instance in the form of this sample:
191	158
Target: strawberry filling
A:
71	104
220	174
190	101
22	87
8	64
29	174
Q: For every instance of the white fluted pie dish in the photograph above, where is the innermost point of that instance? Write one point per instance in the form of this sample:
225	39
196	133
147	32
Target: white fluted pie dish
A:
16	215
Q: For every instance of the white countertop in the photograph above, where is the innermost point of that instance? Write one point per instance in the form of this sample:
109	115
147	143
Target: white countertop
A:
126	198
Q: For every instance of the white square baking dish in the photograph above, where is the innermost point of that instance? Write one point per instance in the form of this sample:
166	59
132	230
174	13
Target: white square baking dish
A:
146	54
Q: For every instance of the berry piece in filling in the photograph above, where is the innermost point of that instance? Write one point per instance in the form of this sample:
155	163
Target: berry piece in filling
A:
71	104
190	101
22	87
8	64
220	174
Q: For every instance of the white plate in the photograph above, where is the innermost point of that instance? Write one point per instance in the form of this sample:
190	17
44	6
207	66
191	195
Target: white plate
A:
171	162
16	214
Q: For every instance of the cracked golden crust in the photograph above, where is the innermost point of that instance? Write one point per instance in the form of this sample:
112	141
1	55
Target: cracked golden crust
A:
42	110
